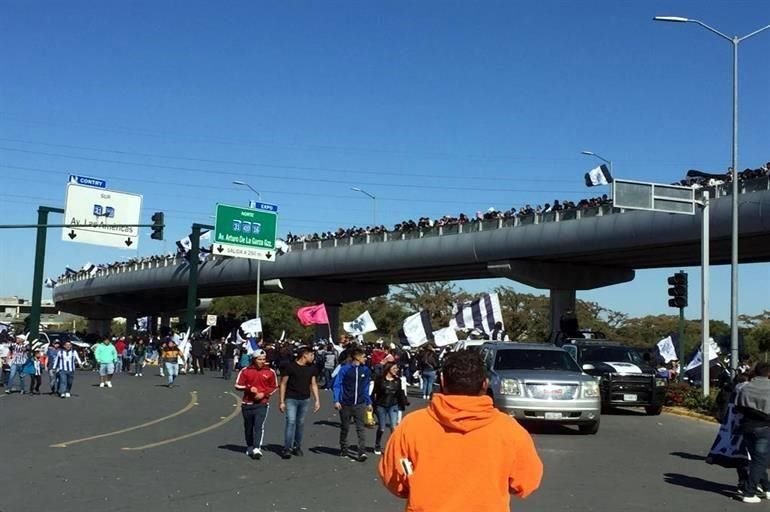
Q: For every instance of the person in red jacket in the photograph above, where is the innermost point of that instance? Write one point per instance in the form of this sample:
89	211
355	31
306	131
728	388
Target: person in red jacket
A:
258	382
460	454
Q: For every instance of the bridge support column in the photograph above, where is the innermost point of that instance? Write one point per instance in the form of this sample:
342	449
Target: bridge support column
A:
322	331
152	325
562	302
100	326
130	324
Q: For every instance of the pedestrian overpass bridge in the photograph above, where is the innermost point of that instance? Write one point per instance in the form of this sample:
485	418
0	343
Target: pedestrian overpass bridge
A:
559	251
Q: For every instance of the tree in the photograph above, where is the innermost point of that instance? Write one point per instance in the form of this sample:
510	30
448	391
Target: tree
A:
438	298
760	338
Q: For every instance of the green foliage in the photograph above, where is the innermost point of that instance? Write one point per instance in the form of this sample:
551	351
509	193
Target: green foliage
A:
690	397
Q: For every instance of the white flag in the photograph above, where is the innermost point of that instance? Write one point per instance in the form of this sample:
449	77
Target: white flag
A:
713	353
598	176
252	327
417	329
445	336
360	325
667	350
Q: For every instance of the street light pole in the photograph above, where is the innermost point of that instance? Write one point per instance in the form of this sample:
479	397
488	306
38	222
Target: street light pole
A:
374	203
734	238
259	262
608	162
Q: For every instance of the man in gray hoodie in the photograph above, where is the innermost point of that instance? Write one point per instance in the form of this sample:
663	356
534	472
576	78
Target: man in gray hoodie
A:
754	402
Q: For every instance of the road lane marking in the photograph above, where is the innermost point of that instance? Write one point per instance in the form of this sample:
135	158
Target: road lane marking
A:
218	424
193	403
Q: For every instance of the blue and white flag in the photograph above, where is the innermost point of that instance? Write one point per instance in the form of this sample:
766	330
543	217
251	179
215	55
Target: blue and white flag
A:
481	314
667	350
361	325
49	283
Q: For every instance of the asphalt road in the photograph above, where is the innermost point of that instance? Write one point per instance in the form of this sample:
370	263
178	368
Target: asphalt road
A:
140	446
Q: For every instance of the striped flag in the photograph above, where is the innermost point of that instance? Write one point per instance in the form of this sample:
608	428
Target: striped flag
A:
481	314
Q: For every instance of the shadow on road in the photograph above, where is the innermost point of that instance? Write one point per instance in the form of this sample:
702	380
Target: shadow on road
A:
233	448
688	456
699	484
550	429
325	450
327	423
616	411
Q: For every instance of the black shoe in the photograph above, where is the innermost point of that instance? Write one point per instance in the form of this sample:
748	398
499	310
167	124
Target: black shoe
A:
286	454
361	457
343	452
298	452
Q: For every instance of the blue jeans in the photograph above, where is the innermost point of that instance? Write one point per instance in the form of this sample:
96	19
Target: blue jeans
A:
227	369
172	370
53	380
295	422
758	443
385	416
65	381
16	370
428	379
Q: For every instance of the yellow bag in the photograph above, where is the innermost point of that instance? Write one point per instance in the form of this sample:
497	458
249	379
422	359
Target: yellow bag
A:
369	419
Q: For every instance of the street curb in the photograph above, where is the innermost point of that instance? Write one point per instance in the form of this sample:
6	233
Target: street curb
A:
687	413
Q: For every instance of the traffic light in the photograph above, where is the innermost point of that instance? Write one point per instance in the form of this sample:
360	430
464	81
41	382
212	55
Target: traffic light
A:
678	290
157	226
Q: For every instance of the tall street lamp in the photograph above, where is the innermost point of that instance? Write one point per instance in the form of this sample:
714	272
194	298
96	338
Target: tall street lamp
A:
259	262
735	40
374	203
591	153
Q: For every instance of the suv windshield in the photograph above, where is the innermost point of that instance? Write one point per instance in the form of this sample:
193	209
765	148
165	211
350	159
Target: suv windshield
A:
614	354
534	359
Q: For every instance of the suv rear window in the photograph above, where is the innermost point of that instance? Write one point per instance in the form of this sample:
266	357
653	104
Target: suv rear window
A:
533	359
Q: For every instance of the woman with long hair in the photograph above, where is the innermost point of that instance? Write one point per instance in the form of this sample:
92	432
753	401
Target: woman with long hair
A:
388	398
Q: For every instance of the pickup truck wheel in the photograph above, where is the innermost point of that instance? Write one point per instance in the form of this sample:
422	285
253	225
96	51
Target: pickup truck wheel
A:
653	410
589	428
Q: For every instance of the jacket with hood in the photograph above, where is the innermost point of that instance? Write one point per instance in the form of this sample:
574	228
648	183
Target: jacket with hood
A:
465	455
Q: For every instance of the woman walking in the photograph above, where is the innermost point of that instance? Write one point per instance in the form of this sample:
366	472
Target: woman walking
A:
428	367
388	398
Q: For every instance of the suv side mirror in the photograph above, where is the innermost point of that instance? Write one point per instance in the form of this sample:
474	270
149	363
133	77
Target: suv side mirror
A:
588	367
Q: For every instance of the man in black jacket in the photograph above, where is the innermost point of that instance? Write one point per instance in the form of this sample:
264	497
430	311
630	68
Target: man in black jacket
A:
754	402
197	351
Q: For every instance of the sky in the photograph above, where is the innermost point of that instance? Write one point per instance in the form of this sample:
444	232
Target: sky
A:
435	108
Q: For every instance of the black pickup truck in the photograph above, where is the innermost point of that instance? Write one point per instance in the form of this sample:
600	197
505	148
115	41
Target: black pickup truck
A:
626	379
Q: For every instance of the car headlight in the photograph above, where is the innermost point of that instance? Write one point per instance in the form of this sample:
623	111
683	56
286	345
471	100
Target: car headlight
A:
660	383
510	387
590	389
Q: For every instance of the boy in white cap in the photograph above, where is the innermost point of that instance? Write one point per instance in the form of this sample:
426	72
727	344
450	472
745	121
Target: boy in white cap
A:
258	382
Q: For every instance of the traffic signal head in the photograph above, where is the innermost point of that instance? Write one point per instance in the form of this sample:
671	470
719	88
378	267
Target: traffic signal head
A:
678	290
157	226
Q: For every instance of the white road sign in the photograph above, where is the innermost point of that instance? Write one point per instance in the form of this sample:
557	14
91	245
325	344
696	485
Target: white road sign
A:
211	320
98	210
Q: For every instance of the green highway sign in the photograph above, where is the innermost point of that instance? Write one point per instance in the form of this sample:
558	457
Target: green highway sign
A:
246	232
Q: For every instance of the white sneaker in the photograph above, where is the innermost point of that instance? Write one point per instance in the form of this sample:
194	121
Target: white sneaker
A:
161	374
256	454
140	374
68	395
109	384
751	499
102	384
